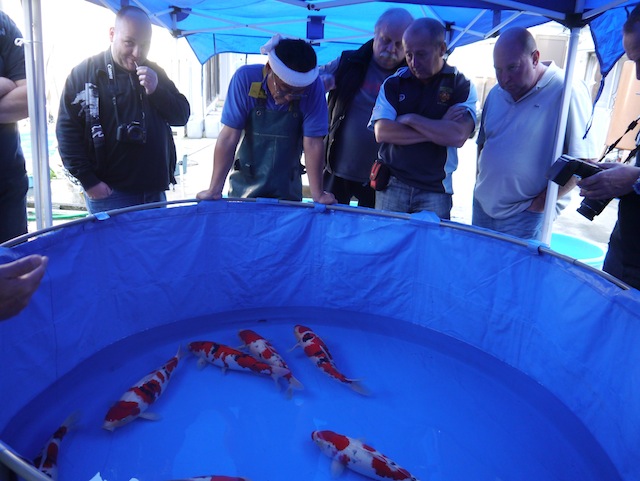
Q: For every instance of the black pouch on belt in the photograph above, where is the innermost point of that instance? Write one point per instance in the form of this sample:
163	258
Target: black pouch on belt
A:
379	176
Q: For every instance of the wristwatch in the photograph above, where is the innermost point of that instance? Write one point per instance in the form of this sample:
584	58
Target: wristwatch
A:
636	186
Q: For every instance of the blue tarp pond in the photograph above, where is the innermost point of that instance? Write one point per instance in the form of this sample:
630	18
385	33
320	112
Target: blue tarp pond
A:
569	330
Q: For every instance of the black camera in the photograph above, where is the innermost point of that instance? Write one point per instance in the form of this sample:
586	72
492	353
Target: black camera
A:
564	168
132	133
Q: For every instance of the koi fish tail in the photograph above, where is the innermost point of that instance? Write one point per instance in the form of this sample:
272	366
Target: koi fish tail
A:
293	384
72	420
357	386
277	372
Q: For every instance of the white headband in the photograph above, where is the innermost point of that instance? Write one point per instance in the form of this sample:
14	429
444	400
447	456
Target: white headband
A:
284	73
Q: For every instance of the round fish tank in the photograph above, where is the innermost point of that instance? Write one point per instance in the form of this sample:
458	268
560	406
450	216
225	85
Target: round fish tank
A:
479	356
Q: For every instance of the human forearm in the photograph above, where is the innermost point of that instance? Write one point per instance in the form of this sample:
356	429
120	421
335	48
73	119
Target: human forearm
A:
314	163
13	104
446	132
393	132
6	86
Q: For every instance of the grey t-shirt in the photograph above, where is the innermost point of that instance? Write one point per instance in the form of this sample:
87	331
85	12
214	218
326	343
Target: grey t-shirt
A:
357	148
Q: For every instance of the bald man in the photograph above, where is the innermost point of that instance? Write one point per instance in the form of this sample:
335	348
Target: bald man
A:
113	127
422	114
517	133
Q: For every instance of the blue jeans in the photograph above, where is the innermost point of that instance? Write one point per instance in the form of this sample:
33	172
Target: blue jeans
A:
119	199
400	197
526	225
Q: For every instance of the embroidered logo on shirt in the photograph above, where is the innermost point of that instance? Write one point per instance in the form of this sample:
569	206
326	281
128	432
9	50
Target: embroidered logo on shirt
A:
444	95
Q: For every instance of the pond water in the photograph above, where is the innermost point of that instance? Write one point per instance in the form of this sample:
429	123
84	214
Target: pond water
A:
439	408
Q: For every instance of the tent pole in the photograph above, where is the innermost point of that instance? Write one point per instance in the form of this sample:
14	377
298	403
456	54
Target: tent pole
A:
34	65
552	188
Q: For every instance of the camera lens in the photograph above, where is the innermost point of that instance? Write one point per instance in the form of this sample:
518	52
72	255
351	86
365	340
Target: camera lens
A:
135	134
592	207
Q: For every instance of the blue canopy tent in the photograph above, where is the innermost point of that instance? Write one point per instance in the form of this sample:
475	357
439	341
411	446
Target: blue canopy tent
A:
242	26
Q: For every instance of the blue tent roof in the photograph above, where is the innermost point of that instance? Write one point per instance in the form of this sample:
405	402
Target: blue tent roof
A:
242	26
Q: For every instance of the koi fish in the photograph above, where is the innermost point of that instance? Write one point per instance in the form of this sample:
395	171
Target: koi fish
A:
214	478
359	457
140	396
263	350
318	352
229	358
47	461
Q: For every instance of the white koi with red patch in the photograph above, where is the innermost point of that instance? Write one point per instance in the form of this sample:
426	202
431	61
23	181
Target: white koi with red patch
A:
263	350
318	352
229	358
47	461
140	396
359	457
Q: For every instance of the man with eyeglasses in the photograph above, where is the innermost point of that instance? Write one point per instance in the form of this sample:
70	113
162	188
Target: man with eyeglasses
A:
274	112
353	81
516	137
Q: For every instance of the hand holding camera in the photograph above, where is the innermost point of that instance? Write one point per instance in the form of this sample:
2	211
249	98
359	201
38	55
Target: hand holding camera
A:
616	180
566	167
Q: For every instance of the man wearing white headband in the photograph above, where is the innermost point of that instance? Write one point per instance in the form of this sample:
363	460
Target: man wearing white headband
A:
277	110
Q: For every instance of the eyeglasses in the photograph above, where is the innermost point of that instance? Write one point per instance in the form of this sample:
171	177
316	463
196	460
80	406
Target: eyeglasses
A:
282	90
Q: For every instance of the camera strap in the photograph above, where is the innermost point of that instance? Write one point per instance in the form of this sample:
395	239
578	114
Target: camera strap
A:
113	87
632	154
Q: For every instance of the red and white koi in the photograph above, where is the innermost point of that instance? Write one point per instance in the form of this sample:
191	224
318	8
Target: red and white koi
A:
47	461
214	478
263	350
229	358
359	457
135	402
318	352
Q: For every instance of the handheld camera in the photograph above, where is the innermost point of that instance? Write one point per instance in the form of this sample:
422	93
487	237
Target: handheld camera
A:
564	168
132	133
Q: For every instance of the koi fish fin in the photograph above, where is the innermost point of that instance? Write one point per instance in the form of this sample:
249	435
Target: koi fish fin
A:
336	468
202	362
296	345
179	354
149	416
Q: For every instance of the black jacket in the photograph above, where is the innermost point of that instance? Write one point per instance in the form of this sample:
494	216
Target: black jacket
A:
349	77
87	138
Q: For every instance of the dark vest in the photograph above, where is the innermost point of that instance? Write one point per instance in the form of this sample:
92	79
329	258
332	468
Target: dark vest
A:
349	77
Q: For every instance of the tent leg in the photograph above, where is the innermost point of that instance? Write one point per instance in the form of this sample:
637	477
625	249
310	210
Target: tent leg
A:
552	188
34	63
